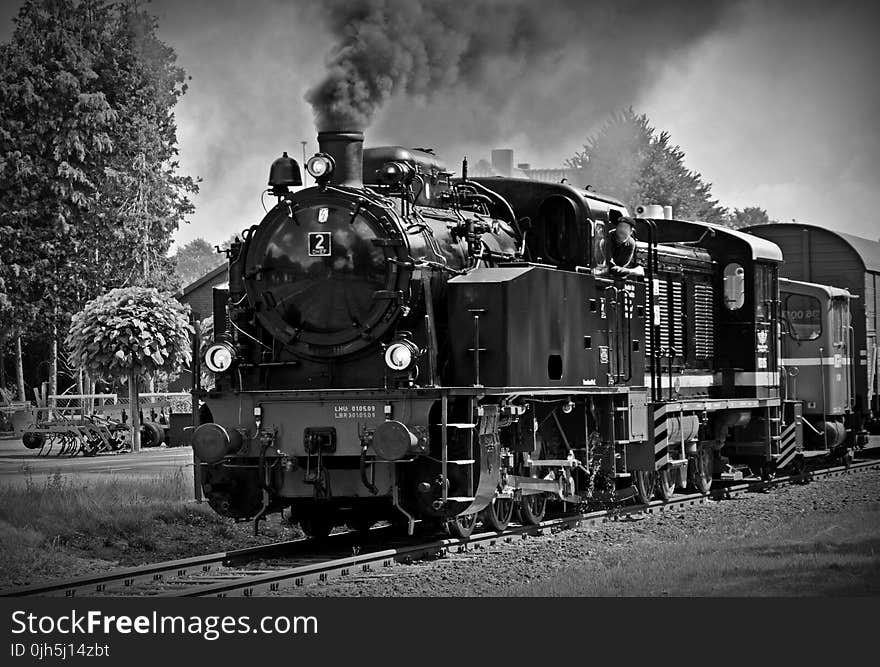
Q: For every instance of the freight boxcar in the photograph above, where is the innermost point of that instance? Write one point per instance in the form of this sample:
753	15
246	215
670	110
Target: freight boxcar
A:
816	254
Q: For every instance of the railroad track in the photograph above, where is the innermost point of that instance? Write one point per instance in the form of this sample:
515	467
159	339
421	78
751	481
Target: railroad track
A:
306	561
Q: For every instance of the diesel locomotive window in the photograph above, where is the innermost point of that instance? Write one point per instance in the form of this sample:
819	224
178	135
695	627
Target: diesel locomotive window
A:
763	292
734	286
839	322
804	316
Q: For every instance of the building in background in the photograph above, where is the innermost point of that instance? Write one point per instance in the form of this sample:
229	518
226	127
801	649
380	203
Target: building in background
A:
501	163
199	295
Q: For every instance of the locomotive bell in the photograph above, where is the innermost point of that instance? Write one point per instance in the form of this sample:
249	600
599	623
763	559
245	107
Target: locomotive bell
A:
284	173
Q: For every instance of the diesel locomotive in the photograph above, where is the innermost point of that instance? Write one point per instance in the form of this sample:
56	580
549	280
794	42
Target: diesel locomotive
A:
399	343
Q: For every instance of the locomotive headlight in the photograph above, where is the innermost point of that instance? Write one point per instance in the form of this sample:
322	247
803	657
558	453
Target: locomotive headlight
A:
219	357
320	166
400	355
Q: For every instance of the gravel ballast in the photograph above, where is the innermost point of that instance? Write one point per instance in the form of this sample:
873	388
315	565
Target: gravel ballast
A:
821	538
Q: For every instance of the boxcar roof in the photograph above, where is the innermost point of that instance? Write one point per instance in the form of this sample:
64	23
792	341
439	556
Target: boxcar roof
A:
866	249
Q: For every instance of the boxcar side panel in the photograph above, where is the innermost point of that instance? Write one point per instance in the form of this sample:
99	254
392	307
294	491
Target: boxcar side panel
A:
819	256
870	360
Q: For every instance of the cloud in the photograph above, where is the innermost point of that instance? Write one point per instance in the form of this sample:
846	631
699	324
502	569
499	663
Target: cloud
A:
464	75
779	110
774	103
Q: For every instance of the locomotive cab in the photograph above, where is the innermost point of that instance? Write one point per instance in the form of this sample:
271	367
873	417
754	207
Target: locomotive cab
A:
817	358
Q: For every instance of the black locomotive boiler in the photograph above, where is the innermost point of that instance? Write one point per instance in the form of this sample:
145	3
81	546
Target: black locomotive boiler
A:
396	343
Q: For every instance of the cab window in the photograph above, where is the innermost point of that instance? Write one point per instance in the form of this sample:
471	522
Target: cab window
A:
839	322
600	266
764	290
804	316
562	239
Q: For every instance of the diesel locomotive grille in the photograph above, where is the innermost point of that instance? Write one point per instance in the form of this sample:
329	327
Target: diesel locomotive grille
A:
704	321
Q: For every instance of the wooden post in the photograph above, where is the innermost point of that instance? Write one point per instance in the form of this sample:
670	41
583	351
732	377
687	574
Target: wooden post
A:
89	387
53	365
2	362
19	370
134	412
196	368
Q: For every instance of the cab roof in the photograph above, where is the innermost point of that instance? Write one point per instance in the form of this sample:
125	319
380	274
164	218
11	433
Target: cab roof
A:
801	286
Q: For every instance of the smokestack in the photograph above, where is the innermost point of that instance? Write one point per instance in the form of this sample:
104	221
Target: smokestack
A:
347	150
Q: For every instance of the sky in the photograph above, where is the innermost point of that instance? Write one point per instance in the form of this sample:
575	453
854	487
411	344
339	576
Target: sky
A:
774	103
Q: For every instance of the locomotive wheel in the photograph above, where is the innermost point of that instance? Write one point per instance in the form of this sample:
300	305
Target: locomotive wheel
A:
317	524
462	526
497	515
645	481
700	470
532	509
666	483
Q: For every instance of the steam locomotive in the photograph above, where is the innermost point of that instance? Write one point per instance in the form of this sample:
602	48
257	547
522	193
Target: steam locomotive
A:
397	343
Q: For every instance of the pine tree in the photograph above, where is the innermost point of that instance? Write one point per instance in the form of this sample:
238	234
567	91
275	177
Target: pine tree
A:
628	159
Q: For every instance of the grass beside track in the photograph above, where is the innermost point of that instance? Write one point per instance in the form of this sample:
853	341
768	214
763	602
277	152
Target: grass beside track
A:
820	554
62	526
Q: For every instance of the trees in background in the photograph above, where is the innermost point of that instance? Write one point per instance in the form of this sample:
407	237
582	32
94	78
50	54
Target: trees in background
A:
629	159
750	215
194	259
90	189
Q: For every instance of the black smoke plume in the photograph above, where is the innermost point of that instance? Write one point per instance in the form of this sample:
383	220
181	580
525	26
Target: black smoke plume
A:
494	55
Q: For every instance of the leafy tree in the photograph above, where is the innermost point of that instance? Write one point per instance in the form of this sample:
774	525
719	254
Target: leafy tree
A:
750	215
128	332
628	159
195	259
90	193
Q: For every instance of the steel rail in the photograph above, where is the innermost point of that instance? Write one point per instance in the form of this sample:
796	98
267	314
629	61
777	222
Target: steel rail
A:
271	581
155	572
253	585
